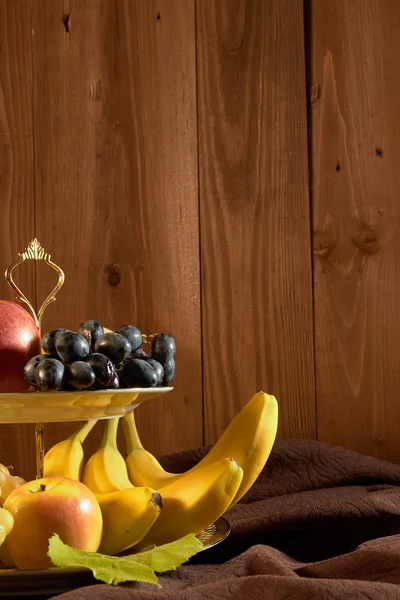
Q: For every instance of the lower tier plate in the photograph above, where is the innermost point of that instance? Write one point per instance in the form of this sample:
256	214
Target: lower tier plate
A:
51	582
56	407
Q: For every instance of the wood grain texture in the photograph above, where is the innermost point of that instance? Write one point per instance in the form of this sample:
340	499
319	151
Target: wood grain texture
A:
254	207
16	142
16	180
116	183
355	95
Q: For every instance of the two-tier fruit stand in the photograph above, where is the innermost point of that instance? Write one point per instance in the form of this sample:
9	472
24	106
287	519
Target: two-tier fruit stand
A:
38	408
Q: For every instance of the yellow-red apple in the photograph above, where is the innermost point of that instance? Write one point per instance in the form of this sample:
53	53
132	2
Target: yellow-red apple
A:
51	505
19	341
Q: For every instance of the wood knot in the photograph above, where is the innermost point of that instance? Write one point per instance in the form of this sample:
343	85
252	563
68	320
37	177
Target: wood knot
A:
314	93
65	22
95	91
324	242
366	240
113	274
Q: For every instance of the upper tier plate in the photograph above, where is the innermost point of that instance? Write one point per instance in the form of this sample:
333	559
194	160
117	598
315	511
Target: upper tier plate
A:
55	407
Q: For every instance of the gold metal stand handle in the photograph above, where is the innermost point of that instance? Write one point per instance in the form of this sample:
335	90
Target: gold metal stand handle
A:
34	251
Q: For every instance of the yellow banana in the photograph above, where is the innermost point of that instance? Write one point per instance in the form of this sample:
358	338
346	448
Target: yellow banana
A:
65	458
128	516
194	501
248	439
105	471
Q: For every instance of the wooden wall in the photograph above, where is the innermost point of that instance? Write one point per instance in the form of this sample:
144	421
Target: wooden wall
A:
354	59
224	170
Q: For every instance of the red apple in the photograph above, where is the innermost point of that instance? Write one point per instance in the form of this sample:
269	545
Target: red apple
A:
51	505
19	341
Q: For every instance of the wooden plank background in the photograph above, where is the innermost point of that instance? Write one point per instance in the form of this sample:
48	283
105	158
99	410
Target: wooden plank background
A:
254	209
160	152
355	95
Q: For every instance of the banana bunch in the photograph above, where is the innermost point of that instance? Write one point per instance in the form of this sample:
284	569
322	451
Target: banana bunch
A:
141	503
128	512
248	439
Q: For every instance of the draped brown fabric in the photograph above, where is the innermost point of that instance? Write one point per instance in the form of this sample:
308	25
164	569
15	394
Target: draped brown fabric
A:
320	522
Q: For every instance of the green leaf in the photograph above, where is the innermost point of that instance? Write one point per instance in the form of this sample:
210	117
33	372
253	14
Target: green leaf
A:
168	556
135	567
109	569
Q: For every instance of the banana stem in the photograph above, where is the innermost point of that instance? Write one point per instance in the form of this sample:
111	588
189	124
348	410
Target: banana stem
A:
109	438
131	433
84	431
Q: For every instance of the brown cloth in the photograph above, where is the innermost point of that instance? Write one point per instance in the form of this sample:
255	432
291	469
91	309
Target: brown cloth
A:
320	522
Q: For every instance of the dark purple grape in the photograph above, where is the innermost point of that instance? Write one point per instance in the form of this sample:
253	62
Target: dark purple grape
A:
159	369
49	341
103	369
169	371
138	373
113	386
113	345
132	334
116	383
49	375
138	354
30	367
80	375
163	347
71	346
91	330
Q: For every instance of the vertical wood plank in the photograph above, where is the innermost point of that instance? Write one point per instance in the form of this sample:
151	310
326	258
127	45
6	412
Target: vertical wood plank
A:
355	97
16	142
16	180
254	207
116	183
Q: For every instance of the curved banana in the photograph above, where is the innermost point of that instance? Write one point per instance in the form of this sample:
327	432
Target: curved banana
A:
105	471
65	458
194	501
248	439
128	516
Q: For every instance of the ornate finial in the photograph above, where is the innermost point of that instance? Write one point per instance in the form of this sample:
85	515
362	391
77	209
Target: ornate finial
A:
34	251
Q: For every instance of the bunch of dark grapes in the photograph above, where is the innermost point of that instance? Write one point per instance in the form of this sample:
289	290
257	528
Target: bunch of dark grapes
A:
91	359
